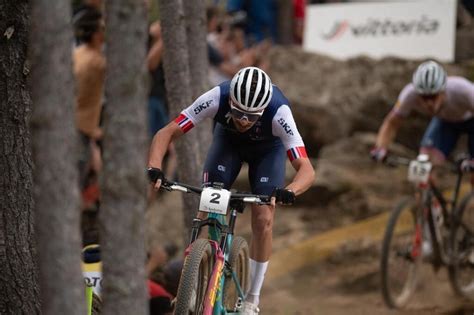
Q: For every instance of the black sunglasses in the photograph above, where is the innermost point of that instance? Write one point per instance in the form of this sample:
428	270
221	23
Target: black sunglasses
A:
428	96
240	115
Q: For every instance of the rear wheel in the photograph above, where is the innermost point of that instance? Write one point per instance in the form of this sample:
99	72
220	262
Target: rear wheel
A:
461	270
239	261
195	276
401	253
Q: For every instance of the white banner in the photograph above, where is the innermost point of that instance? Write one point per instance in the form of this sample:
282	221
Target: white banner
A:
411	30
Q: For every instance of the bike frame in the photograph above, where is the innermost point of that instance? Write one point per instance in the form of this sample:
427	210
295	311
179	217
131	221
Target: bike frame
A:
429	192
220	236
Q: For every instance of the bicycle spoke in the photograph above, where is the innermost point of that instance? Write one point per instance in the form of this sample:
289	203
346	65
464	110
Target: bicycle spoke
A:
401	253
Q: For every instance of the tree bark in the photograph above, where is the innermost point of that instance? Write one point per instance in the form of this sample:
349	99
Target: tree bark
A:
196	29
18	271
124	183
178	87
195	17
56	175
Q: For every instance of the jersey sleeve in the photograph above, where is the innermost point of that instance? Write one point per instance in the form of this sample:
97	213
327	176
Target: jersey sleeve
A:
405	102
205	106
284	127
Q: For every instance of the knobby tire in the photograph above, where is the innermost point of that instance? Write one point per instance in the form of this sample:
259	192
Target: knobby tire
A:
397	247
195	277
461	269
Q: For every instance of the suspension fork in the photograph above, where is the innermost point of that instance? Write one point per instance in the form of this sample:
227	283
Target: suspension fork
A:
419	214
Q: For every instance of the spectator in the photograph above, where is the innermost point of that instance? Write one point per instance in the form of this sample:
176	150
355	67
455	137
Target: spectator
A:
226	47
160	297
261	18
89	73
299	8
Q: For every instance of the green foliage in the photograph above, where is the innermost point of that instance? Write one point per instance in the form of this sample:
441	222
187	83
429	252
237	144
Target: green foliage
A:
154	11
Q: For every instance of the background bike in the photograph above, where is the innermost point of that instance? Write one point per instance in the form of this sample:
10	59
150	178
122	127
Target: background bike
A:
215	274
421	228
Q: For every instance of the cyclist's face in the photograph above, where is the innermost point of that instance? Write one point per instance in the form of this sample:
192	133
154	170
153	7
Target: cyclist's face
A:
242	125
432	103
243	120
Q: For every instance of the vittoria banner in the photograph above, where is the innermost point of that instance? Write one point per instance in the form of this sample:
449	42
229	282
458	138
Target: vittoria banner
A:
412	30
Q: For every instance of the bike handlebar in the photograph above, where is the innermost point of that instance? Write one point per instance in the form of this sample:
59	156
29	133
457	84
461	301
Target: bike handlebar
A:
237	196
393	161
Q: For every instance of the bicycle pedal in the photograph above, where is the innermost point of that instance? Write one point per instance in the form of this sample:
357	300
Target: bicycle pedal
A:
238	305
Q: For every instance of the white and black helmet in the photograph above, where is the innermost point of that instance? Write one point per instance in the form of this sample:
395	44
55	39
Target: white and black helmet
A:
251	89
429	78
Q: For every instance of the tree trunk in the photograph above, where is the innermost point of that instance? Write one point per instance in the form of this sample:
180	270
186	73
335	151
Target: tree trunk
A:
56	175
178	87
18	271
196	25
195	17
124	183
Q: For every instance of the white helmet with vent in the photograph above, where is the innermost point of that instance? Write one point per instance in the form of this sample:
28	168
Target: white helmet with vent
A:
429	78
251	89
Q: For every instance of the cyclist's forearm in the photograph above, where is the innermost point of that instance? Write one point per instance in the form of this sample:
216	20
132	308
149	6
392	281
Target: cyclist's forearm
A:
160	143
304	176
387	132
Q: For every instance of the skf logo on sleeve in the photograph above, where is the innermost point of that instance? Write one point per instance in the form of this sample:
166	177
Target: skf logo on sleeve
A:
285	126
199	108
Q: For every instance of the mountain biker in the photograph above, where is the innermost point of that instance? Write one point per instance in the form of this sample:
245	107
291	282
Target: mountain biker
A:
253	124
448	100
450	103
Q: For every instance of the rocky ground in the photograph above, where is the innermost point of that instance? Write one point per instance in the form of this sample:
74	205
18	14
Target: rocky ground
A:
345	282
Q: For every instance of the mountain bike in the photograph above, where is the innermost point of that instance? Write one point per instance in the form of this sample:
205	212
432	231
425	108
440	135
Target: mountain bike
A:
420	228
215	273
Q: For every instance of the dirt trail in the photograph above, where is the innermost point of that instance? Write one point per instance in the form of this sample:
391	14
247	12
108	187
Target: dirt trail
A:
338	276
351	286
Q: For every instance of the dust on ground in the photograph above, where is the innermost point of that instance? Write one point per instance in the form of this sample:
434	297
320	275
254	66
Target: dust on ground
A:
344	283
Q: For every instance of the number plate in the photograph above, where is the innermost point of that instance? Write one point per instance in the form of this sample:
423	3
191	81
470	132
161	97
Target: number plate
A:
419	172
214	200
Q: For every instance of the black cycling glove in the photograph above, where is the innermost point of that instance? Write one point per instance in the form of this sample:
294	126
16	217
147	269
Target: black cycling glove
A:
155	174
284	196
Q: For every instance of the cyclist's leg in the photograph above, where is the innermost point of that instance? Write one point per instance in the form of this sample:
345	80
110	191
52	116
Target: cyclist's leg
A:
439	140
222	164
266	171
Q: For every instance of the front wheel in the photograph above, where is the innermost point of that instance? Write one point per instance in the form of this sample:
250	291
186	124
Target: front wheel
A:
401	253
197	270
461	269
239	263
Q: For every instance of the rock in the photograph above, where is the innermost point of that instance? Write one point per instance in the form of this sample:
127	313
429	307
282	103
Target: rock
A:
334	99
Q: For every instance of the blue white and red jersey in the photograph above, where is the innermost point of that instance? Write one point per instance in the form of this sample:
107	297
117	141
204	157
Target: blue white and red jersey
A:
276	125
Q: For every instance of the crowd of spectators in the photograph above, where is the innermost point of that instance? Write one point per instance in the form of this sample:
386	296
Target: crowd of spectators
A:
89	64
238	35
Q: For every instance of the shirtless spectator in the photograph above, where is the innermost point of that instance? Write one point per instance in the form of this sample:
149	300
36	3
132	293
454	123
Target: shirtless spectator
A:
89	73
